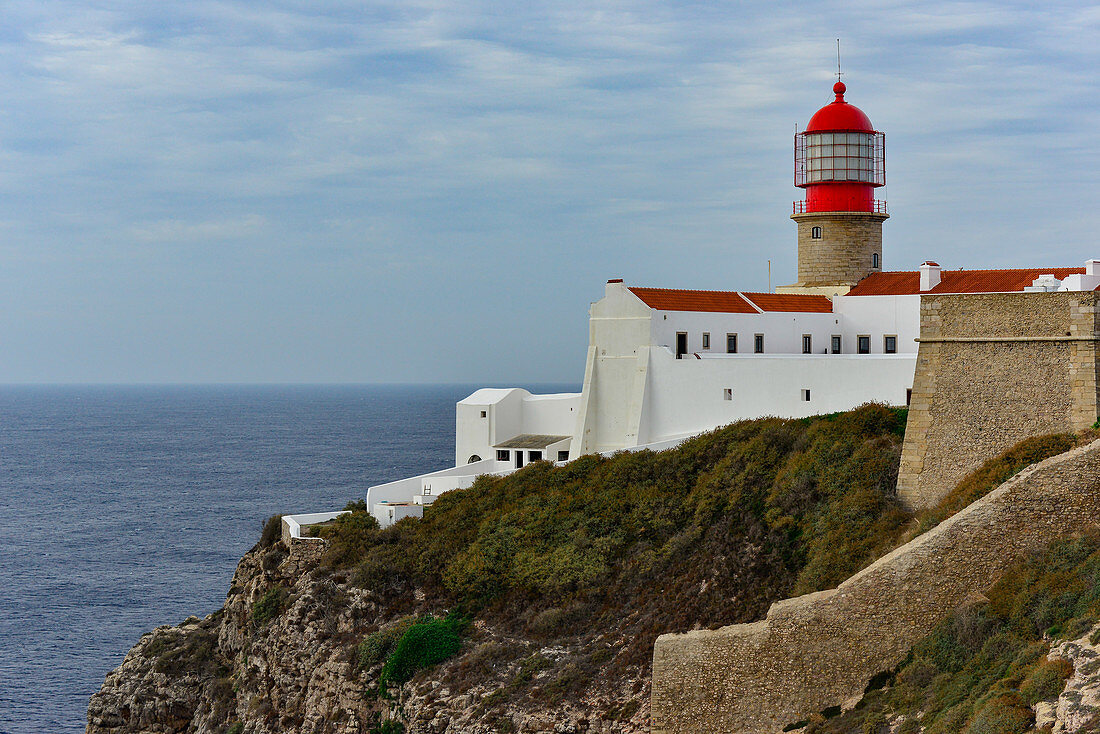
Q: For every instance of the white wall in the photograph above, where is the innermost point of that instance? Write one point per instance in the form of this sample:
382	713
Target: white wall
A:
879	316
782	331
685	396
403	489
508	413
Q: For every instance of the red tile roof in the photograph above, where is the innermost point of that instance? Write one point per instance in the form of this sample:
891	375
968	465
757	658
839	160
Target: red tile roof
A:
903	283
791	302
673	299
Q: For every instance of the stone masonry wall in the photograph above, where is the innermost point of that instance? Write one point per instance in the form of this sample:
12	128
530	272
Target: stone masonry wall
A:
844	253
820	650
993	369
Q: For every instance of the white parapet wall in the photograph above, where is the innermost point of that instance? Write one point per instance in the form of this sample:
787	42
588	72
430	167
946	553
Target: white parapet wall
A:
393	501
293	524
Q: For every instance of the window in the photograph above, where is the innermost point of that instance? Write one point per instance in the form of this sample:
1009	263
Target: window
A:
706	340
807	344
483	414
890	344
727	393
758	344
731	343
836	344
805	396
534	456
474	459
908	396
563	456
502	454
815	233
874	260
863	344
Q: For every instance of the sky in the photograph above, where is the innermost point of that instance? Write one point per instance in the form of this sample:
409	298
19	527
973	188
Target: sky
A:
432	191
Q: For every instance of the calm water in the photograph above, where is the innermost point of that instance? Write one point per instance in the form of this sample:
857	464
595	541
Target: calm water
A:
124	508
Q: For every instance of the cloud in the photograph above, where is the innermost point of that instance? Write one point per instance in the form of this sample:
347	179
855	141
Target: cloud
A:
175	230
374	164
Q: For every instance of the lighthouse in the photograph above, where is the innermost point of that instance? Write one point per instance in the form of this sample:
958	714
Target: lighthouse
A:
840	159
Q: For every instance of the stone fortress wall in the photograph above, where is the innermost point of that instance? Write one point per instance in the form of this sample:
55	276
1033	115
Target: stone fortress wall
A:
992	370
820	650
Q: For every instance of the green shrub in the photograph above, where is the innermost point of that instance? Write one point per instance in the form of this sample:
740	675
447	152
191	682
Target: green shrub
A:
390	726
235	728
1046	681
270	605
427	642
379	645
1002	715
272	532
349	536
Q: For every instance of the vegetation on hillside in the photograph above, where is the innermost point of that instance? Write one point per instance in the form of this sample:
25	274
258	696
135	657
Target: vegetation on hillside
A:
982	670
603	554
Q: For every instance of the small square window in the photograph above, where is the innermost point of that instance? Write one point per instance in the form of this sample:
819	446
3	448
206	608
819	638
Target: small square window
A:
836	344
807	344
563	456
502	454
731	343
534	456
758	343
706	340
805	396
863	344
890	345
483	414
727	393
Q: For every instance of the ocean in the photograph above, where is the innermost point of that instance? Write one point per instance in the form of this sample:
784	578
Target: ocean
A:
123	508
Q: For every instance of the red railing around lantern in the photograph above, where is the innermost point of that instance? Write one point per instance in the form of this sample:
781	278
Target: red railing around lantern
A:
879	207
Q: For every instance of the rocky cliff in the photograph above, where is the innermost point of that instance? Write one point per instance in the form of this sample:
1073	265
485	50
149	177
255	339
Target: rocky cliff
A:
282	656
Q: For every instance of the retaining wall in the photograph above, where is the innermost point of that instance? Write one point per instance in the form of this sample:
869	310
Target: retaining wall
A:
820	650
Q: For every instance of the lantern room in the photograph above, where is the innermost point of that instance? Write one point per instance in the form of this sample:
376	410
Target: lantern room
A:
840	159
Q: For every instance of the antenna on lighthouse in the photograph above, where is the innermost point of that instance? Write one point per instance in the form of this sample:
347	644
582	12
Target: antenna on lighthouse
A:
838	72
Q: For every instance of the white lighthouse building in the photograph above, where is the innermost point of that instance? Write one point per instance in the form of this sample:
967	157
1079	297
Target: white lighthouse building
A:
665	364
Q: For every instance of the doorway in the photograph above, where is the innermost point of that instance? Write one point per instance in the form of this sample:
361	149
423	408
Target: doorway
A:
681	344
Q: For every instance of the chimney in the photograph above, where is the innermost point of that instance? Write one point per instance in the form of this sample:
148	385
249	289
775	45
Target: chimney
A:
929	275
612	284
1092	267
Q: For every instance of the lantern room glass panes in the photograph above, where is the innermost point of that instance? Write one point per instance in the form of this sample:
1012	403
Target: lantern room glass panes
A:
842	156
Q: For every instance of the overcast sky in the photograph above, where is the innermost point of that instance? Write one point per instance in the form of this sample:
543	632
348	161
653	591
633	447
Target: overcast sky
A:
435	191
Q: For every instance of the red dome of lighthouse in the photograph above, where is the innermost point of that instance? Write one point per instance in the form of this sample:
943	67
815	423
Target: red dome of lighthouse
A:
839	115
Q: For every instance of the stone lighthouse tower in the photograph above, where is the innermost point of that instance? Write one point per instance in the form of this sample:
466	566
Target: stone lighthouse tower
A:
839	159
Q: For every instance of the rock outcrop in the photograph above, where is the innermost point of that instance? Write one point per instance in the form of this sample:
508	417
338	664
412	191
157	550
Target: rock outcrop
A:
280	656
